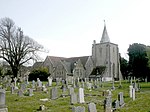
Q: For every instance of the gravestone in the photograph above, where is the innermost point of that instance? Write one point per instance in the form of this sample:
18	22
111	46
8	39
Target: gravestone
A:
2	97
71	90
33	84
121	99
3	107
30	92
12	90
23	87
108	104
89	85
73	98
20	93
92	107
81	95
130	91
54	93
78	109
116	104
133	93
15	81
49	81
131	81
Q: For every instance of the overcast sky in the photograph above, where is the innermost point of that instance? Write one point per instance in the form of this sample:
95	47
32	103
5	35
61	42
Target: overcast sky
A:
67	28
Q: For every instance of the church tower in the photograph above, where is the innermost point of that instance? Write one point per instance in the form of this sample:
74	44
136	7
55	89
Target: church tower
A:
106	54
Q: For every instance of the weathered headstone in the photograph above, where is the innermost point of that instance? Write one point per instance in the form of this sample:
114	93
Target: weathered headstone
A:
33	84
121	99
92	107
54	93
3	107
20	93
30	92
108	104
73	98
71	90
81	95
116	104
12	90
78	109
23	87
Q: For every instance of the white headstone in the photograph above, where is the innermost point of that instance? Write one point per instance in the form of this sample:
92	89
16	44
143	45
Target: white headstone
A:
130	92
81	95
133	93
49	81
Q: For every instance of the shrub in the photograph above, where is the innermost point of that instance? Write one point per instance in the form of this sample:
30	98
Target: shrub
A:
41	73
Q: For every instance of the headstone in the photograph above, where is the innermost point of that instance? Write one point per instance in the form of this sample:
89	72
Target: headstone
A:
108	104
30	92
49	81
20	93
89	85
133	93
2	97
73	98
71	90
131	81
92	107
33	84
44	88
121	99
81	95
116	104
23	87
3	107
130	91
12	90
78	109
54	93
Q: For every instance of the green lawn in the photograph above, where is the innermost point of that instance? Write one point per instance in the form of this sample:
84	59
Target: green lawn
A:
31	104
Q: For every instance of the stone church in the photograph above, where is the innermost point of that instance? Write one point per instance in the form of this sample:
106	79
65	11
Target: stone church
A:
104	54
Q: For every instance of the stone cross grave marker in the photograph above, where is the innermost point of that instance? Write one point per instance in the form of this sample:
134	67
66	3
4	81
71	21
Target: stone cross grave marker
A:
81	95
92	107
15	80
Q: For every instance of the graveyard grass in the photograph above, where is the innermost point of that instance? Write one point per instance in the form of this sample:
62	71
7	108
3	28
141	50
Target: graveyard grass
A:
32	103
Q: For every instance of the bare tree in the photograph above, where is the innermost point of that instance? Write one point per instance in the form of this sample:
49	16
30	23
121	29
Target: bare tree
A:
15	47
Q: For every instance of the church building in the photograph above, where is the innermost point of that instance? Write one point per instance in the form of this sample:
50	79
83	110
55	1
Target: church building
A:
104	55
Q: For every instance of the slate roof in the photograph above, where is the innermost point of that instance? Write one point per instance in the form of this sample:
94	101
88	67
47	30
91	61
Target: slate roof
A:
37	65
67	62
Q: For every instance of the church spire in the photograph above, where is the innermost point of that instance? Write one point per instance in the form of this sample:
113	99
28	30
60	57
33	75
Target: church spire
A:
105	37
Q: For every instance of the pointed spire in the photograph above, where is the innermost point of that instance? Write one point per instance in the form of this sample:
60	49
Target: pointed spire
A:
105	37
